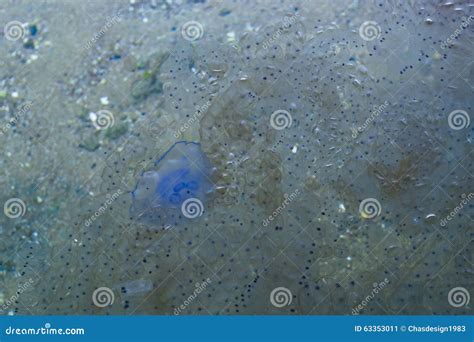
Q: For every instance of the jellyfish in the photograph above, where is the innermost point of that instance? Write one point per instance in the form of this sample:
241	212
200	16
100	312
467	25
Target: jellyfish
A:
181	176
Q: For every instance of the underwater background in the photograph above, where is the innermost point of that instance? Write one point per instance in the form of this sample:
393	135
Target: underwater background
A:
210	157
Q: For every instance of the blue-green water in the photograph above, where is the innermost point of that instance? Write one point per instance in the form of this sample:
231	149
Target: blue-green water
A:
333	174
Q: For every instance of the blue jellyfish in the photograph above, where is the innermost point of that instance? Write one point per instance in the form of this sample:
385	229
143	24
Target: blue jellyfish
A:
181	175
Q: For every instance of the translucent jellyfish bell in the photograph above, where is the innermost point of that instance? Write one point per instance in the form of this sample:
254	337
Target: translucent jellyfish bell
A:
181	175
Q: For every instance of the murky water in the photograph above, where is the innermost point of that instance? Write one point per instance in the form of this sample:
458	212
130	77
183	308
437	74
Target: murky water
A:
237	157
